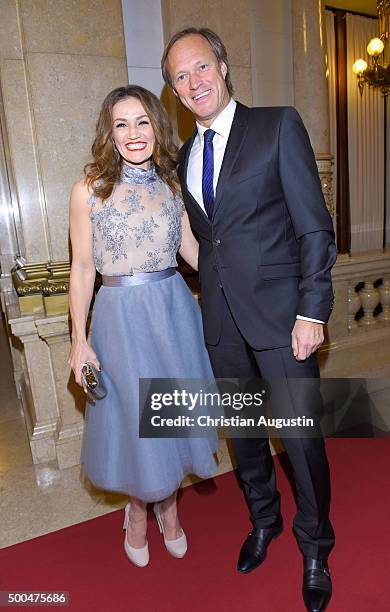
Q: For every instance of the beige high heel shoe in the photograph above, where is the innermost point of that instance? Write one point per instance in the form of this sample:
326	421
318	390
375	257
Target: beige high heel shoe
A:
138	556
178	547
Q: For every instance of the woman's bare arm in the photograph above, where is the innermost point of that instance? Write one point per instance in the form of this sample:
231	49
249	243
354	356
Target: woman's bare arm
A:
189	248
82	278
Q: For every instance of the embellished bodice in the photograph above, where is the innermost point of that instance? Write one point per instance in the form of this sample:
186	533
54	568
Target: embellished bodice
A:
138	228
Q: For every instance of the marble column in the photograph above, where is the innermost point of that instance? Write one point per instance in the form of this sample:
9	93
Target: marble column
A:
310	86
57	63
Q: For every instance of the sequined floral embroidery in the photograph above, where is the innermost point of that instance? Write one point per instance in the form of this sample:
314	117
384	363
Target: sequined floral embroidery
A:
152	262
171	209
153	188
99	260
138	227
114	230
133	202
144	231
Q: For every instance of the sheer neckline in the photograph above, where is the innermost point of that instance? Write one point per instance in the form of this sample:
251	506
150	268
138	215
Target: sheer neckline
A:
138	176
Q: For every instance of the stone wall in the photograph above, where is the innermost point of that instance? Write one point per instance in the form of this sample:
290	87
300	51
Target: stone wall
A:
58	60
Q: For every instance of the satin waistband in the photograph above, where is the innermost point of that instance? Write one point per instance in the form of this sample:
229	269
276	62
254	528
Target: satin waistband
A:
137	279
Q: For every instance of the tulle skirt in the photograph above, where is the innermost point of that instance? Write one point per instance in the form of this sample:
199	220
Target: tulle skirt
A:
152	330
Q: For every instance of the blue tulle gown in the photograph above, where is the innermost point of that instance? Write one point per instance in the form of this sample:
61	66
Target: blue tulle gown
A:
151	330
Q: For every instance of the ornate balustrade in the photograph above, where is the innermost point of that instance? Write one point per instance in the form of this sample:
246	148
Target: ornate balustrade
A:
357	344
358	333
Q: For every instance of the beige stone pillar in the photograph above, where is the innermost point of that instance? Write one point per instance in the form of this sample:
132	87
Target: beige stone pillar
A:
53	403
54	331
37	390
310	86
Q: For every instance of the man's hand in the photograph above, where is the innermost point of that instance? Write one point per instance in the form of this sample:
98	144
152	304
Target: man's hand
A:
307	337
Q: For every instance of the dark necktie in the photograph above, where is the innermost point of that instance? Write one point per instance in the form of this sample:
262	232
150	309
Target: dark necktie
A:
208	172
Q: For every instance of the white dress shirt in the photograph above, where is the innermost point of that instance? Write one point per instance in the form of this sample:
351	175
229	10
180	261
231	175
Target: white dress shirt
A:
221	126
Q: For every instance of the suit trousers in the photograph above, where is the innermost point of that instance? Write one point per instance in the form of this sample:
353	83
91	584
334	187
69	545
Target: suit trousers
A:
232	357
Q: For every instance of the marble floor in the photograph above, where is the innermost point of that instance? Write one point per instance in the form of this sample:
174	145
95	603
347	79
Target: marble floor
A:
38	499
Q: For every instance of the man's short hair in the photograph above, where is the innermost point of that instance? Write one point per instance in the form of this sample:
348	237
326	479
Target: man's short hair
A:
217	47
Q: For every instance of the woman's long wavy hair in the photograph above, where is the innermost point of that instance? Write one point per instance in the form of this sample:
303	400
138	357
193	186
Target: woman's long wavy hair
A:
105	169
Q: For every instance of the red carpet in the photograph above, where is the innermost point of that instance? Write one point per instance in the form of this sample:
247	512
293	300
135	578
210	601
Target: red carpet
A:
88	561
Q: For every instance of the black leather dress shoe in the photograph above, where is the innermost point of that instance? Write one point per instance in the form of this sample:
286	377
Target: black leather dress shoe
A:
317	585
254	550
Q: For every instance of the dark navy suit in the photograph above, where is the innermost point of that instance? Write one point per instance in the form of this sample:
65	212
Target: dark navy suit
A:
264	257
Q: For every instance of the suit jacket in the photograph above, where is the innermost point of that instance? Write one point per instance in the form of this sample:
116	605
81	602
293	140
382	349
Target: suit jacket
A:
270	244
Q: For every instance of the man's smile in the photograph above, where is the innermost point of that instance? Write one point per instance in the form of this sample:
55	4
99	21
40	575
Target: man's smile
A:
201	95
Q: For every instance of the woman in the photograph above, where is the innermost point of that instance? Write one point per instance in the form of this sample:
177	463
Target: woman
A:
127	220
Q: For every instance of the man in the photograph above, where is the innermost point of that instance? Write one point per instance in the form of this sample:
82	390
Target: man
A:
251	187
